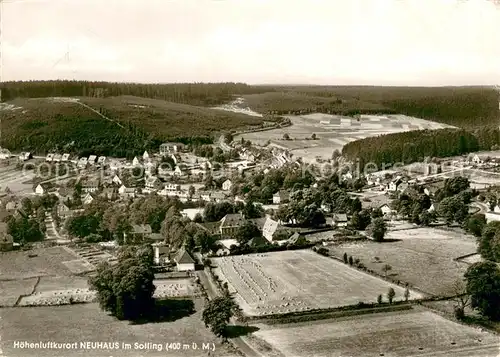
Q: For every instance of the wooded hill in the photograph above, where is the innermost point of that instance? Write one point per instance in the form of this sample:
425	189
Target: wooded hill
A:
136	124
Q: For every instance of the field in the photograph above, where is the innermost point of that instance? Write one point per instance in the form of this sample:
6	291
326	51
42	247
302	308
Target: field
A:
48	278
130	124
334	131
18	181
300	280
422	257
87	323
396	334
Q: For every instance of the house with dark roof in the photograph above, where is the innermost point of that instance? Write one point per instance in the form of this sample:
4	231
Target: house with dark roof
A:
230	223
184	261
340	220
257	241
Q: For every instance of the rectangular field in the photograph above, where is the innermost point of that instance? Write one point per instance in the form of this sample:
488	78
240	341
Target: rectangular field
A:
334	131
423	257
396	334
300	280
87	323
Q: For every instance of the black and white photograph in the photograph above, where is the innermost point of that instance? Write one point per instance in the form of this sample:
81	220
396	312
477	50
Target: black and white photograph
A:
250	178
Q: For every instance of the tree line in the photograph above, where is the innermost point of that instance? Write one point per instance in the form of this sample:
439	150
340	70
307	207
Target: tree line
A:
413	146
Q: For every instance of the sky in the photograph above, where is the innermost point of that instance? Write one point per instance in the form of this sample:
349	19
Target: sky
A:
337	42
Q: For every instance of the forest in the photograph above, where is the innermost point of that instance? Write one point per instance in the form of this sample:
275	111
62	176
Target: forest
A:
43	125
414	146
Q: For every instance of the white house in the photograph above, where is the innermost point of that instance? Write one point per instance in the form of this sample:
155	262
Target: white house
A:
227	185
126	191
178	171
40	190
82	162
270	228
92	159
145	156
184	261
49	157
136	161
24	156
57	158
432	208
172	187
116	180
90	186
87	199
340	220
101	160
386	210
153	183
476	160
65	157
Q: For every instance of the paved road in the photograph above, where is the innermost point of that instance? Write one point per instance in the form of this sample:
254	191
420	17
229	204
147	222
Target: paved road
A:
212	291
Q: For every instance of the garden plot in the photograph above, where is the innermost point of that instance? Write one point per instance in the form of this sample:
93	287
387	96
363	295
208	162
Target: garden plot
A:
334	131
422	257
301	280
82	294
401	334
11	290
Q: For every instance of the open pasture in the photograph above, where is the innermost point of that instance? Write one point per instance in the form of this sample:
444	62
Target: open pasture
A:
87	323
422	257
300	280
334	131
396	334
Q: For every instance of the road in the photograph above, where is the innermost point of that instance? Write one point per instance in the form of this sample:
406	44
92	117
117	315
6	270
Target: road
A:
483	208
212	292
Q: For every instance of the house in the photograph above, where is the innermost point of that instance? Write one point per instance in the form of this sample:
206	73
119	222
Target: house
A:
172	187
126	191
62	210
372	180
184	261
386	210
217	197
156	237
393	185
92	159
153	183
87	199
270	228
101	160
49	157
149	168
230	223
82	162
225	246
90	186
40	189
476	160
57	158
6	241
205	195
136	161
168	148
65	157
281	197
227	185
24	156
4	154
432	208
145	156
65	193
340	220
116	180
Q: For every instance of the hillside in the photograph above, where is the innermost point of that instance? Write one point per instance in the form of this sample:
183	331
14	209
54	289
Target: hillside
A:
466	107
44	124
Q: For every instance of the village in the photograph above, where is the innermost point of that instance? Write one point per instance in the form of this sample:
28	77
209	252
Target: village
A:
242	217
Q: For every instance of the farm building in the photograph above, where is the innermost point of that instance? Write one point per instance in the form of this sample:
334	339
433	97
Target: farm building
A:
184	261
281	197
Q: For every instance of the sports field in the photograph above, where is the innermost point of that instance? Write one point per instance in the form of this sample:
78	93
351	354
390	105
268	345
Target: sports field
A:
300	280
396	334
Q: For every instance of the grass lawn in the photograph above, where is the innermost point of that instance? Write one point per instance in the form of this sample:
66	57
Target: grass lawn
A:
87	323
422	257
